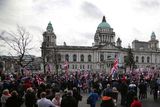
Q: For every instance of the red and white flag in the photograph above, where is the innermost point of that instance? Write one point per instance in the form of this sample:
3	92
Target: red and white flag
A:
115	65
66	64
39	80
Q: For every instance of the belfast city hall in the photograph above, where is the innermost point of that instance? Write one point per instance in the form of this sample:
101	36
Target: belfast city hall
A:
100	56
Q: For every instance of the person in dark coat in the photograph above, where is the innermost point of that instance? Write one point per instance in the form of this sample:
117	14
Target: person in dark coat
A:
123	91
77	95
30	98
14	100
68	100
130	97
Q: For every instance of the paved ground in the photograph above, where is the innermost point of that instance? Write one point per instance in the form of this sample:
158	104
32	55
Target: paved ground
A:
149	102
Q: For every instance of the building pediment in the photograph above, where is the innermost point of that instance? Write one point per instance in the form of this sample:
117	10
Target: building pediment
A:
107	46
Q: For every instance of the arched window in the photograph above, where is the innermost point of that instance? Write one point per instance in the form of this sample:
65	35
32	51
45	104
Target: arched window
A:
82	58
137	58
89	58
148	59
59	57
74	58
48	59
101	57
125	58
80	66
67	57
142	59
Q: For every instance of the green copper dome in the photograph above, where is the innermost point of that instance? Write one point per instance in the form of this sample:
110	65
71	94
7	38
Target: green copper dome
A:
104	24
49	27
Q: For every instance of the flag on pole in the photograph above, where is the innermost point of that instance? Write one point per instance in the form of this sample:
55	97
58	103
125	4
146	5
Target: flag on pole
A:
115	66
66	68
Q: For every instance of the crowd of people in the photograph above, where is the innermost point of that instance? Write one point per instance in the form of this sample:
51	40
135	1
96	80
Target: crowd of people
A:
52	90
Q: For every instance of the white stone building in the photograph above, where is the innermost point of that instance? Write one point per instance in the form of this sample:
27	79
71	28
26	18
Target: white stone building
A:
101	55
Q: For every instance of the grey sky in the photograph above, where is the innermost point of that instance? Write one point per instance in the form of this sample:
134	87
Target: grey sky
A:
76	21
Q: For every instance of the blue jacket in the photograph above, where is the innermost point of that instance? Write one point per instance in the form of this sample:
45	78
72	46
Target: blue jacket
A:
94	97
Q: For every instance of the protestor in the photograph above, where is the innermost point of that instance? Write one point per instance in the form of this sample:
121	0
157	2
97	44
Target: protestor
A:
57	100
130	96
133	86
14	100
142	90
115	95
107	102
77	95
155	90
65	93
123	91
92	98
107	91
44	102
136	103
41	88
4	97
68	100
30	98
49	94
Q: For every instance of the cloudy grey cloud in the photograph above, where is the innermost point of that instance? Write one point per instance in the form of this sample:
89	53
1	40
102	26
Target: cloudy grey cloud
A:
150	3
3	4
86	35
36	28
43	6
91	10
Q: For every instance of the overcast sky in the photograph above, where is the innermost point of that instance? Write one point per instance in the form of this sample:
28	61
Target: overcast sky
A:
76	21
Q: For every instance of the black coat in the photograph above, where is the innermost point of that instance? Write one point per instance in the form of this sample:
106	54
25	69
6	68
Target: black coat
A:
14	101
68	101
30	99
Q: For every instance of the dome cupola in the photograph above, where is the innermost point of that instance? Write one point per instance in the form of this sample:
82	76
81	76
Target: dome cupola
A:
104	24
153	36
49	27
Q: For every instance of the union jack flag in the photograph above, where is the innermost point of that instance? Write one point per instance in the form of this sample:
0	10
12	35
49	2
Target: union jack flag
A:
66	64
115	66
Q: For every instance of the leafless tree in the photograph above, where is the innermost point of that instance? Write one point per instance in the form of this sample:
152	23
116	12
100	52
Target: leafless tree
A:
20	43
